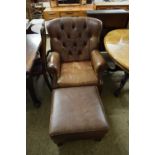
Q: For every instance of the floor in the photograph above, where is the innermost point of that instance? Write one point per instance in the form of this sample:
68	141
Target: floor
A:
116	141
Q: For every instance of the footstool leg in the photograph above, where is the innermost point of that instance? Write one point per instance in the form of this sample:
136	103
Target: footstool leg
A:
59	144
98	139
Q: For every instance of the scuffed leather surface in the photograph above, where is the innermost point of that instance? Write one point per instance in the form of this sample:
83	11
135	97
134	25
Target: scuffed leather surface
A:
98	61
54	63
77	112
74	37
77	74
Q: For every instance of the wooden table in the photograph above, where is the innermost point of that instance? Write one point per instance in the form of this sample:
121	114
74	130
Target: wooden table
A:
63	11
117	4
76	10
117	45
33	42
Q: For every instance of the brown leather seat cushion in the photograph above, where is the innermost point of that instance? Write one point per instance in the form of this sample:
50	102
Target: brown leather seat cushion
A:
77	74
77	112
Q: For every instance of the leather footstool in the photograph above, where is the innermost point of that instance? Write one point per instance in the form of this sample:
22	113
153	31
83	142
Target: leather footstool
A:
77	113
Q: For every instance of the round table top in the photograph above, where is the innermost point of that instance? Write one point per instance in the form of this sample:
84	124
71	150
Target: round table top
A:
117	45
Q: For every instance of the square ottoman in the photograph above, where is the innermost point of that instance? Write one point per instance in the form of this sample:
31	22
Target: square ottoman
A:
77	113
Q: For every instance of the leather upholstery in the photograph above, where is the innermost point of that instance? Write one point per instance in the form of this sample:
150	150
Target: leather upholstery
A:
74	37
97	61
77	113
77	74
54	63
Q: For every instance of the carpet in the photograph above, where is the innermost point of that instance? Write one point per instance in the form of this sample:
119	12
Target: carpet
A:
115	142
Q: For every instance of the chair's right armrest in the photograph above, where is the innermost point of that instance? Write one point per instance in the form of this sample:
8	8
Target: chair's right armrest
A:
98	61
53	63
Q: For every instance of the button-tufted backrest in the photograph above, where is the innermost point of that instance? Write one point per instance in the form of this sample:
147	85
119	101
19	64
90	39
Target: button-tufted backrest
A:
74	37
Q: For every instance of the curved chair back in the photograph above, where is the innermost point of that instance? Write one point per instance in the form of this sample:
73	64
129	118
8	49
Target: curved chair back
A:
74	37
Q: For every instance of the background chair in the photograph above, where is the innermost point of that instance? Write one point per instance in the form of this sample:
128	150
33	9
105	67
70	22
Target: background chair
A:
40	64
75	59
112	19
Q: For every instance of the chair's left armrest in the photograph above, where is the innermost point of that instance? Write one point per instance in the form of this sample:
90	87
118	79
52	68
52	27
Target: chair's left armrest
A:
98	61
53	63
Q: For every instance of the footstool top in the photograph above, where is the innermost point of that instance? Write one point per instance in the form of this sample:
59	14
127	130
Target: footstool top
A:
76	110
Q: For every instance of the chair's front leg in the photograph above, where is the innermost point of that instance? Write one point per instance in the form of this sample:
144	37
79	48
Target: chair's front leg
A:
53	80
100	72
47	81
100	82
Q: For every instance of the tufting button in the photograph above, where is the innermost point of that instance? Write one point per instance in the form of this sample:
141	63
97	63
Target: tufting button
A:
89	35
74	44
68	35
84	26
58	37
62	26
70	53
64	44
84	43
73	26
79	52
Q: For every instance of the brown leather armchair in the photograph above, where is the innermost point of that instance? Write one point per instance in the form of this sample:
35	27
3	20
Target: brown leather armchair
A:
75	60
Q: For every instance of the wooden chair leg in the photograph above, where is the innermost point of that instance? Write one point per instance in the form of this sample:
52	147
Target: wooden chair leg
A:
47	81
100	86
100	89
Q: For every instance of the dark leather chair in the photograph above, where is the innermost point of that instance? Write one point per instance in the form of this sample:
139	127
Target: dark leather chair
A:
112	19
40	64
75	59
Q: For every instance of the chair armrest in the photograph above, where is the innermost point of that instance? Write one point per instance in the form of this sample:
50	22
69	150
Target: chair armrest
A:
98	61
53	63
